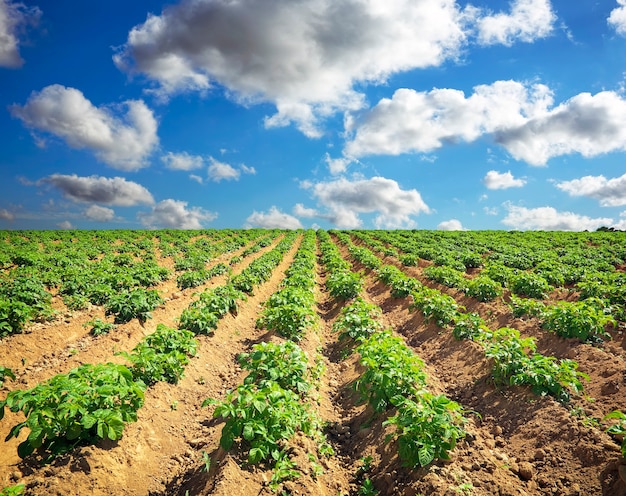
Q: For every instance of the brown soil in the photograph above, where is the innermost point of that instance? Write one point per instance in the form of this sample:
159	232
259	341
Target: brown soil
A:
517	443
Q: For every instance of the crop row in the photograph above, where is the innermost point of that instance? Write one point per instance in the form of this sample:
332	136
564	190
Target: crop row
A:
273	404
515	359
601	306
427	425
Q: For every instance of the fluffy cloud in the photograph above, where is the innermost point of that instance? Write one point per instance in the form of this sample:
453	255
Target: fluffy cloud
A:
413	121
6	215
100	214
337	165
123	142
273	219
518	117
182	161
300	210
13	16
496	180
527	21
617	19
305	57
586	124
220	170
344	200
549	219
451	225
174	214
609	192
65	225
96	189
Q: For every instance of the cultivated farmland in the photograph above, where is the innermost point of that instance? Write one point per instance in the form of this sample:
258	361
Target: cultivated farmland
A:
268	362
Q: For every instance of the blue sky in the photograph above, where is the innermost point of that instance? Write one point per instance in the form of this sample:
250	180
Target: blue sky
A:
369	114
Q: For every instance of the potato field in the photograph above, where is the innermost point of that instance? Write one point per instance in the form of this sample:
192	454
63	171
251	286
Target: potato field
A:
333	363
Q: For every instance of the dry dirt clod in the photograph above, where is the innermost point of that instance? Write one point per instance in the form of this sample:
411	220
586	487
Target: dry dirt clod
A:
526	471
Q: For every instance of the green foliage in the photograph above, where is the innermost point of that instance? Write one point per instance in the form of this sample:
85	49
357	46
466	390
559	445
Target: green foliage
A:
162	355
198	320
619	428
581	319
89	402
526	306
515	362
17	490
4	373
14	316
99	327
434	305
358	320
136	303
445	275
469	326
392	370
261	417
530	285
284	363
344	285
483	288
427	428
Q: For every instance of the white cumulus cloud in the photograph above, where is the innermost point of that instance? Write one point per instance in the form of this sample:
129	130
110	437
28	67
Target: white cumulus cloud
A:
451	225
617	18
527	21
303	56
100	214
6	214
272	219
115	191
502	180
609	192
123	142
222	171
420	121
182	161
586	124
550	219
13	17
174	214
344	199
516	116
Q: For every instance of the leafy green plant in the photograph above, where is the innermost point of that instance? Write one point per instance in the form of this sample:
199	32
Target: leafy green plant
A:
468	326
445	275
619	428
434	305
483	288
392	371
526	306
515	362
261	418
581	319
4	373
198	320
17	490
14	316
427	428
344	285
529	284
358	320
89	402
136	303
100	327
284	363
162	355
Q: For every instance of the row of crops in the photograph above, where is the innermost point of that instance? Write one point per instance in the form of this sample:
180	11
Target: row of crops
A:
275	403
